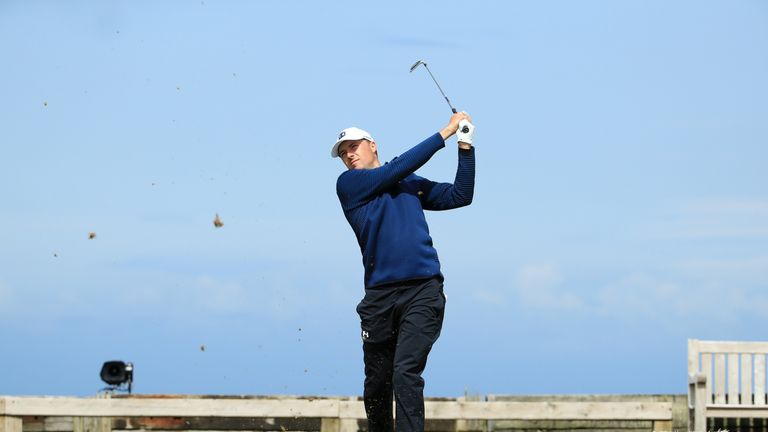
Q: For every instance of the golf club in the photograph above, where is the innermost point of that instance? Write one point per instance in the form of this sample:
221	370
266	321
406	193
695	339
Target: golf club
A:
415	65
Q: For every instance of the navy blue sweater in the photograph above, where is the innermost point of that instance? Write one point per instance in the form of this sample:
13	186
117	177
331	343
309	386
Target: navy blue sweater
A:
385	207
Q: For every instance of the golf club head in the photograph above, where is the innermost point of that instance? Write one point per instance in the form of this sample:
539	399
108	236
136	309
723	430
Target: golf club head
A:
419	62
415	65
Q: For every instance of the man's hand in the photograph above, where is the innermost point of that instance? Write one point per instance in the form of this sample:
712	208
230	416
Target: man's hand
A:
465	138
453	124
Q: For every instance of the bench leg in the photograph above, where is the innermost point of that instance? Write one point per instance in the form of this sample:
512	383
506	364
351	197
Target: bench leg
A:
10	424
697	403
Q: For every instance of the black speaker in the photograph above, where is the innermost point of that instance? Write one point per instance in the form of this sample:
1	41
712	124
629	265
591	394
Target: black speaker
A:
117	372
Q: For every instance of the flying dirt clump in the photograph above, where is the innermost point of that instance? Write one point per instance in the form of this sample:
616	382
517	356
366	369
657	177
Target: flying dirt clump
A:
217	221
91	235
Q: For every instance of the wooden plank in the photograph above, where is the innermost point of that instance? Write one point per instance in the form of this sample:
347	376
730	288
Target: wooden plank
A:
91	424
693	357
57	424
732	347
588	425
549	410
727	411
706	368
351	409
148	407
348	425
733	379
338	425
330	425
10	424
32	424
214	423
464	425
699	397
679	401
719	378
746	379
760	380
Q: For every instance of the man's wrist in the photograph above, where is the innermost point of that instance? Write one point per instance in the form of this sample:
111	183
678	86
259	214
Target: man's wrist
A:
465	146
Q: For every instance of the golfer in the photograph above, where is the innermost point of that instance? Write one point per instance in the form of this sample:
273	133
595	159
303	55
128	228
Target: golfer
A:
402	312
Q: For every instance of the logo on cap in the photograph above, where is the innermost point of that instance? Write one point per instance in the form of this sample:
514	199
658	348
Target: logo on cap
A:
341	135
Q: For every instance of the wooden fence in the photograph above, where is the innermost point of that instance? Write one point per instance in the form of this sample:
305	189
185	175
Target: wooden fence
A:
167	413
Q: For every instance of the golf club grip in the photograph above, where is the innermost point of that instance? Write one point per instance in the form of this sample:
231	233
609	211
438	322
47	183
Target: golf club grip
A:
464	129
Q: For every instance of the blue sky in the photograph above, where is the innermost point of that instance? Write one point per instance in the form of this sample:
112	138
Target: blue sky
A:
620	204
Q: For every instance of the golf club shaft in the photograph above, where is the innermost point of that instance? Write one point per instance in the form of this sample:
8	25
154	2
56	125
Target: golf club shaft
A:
440	88
415	65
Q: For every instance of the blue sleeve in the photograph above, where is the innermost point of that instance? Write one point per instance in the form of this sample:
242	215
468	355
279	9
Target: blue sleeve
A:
446	196
355	187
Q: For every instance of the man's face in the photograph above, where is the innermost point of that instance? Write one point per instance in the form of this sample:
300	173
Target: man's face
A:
359	154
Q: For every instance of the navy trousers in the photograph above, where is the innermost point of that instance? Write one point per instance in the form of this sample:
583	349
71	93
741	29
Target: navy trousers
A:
400	323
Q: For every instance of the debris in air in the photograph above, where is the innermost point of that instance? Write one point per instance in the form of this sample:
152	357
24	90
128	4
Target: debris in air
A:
217	222
202	348
91	235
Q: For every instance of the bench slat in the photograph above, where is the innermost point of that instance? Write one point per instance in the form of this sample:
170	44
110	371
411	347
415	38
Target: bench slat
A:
746	379
706	368
719	378
727	411
730	347
760	379
733	379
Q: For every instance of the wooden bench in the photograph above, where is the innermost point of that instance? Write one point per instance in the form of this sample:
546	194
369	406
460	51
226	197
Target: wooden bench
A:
337	414
726	380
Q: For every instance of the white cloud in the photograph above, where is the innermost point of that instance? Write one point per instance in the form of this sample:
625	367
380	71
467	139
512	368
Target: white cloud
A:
187	296
748	271
639	294
275	297
715	218
730	286
541	286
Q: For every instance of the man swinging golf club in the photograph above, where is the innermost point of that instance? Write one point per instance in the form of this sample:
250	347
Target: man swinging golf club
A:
402	311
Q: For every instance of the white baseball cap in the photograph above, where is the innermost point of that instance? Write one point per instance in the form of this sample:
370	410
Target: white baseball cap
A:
349	134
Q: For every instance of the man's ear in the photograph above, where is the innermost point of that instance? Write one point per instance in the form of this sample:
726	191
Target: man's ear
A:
373	146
